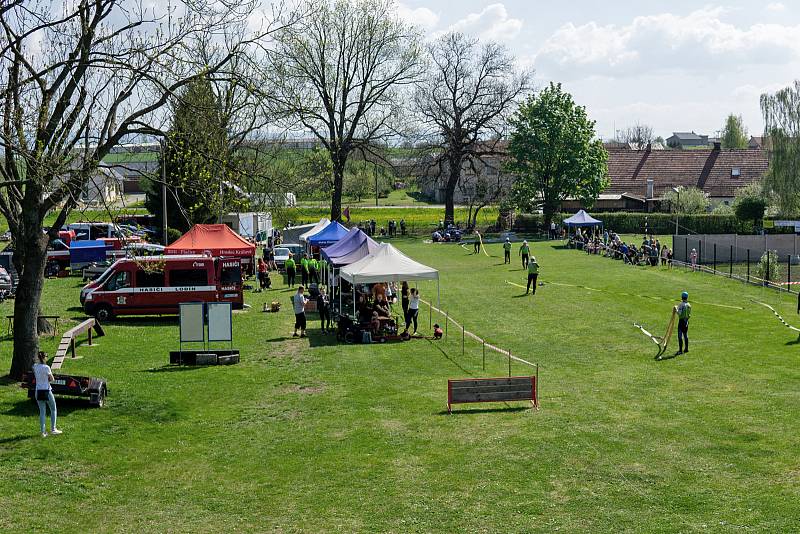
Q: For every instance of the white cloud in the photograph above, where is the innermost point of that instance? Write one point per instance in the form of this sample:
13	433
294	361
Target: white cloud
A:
776	7
421	16
698	42
493	23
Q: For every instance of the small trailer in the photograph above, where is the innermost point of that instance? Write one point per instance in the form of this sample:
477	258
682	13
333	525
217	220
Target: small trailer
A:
94	389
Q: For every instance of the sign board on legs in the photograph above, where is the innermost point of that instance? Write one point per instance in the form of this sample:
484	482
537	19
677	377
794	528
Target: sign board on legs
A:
220	315
191	321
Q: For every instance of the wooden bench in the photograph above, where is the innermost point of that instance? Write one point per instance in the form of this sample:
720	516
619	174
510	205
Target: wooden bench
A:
67	342
514	388
54	318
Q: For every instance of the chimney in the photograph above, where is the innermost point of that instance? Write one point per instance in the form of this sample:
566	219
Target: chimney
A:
717	145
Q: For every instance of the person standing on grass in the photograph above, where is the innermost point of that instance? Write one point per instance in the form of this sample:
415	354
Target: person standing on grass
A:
476	246
304	270
313	271
323	307
684	311
525	252
693	259
507	251
44	394
262	274
299	303
404	300
533	275
290	270
413	310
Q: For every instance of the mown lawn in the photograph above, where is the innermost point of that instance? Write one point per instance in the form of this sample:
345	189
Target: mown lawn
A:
306	435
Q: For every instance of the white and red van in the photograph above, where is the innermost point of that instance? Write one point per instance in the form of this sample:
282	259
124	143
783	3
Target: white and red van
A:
156	285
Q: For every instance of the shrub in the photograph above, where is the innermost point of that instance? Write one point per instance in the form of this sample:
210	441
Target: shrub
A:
768	267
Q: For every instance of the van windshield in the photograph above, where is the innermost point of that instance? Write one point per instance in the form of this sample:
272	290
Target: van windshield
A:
231	275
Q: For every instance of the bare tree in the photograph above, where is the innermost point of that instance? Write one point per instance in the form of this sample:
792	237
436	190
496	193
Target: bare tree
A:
463	101
76	78
338	75
637	136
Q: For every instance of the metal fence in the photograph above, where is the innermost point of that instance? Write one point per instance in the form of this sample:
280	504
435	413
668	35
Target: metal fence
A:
768	261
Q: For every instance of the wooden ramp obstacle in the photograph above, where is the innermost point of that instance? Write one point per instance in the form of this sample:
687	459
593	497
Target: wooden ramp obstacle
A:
67	342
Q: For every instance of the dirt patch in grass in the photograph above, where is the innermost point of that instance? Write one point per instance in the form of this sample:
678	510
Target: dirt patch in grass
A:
303	389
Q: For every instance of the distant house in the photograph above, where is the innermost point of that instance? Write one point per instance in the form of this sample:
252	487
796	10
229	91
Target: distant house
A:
103	187
687	140
135	163
639	179
484	178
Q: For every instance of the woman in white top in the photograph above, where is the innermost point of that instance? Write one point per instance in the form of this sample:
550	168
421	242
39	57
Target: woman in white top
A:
413	309
44	394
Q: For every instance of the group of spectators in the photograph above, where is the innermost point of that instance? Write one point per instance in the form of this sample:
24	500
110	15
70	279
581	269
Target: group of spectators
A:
650	252
375	307
308	267
371	228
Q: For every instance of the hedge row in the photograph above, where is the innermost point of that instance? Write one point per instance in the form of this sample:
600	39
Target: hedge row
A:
656	223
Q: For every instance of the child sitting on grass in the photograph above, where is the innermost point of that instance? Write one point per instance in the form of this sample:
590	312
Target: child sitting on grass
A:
437	331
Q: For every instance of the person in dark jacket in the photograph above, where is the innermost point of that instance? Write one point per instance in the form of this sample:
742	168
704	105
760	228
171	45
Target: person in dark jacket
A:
323	307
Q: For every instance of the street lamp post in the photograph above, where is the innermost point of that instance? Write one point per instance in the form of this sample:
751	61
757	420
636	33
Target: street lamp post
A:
677	207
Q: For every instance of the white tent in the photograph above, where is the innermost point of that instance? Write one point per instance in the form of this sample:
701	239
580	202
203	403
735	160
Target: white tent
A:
387	264
317	227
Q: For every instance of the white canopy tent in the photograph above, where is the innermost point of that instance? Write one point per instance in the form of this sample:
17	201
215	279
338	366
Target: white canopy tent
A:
317	227
387	264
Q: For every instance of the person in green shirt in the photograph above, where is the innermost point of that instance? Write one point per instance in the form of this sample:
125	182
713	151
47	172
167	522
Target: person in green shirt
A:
290	270
533	275
304	270
525	252
684	311
313	270
507	251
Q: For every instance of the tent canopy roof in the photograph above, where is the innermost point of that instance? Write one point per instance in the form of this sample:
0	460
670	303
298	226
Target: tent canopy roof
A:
387	264
329	235
316	228
342	252
218	239
582	219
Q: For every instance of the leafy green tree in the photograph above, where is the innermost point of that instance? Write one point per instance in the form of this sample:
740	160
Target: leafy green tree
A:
734	134
782	117
554	153
750	203
200	176
689	200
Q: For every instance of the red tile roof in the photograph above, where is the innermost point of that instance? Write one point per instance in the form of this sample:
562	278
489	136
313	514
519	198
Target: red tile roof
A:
710	170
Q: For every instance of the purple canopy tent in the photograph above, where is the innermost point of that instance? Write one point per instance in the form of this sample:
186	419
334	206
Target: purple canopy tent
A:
351	248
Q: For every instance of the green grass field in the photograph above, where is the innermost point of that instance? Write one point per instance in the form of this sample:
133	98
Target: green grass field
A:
306	435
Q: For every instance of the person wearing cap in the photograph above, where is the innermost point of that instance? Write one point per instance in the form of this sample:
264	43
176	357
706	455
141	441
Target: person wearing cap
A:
507	251
525	252
684	311
533	275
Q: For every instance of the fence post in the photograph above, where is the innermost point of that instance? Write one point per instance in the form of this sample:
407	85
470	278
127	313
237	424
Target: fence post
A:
766	276
748	265
484	342
730	274
446	320
463	332
789	274
700	245
715	258
430	315
509	363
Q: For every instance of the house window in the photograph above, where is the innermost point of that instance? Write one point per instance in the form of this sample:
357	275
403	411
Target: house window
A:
736	172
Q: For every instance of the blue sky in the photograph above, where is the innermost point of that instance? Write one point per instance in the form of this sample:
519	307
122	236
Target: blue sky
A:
676	65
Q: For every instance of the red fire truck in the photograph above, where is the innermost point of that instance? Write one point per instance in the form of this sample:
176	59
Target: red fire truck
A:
156	285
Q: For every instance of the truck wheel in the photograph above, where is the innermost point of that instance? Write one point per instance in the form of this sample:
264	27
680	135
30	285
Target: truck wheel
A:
104	313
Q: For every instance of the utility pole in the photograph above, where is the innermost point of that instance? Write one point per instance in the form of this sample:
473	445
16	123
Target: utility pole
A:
677	207
164	192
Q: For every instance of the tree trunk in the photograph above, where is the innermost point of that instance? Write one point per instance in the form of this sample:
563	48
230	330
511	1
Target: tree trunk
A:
30	258
454	175
336	194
